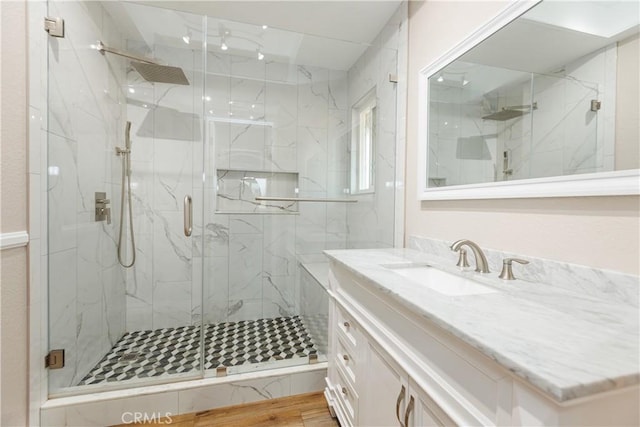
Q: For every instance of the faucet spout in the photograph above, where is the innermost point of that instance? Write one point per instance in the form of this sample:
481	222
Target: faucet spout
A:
482	266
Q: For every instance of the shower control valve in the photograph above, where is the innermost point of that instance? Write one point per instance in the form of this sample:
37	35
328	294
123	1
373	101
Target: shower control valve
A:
103	212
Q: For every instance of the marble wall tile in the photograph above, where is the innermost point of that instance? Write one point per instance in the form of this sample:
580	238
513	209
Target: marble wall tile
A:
172	251
116	411
280	158
312	159
219	63
63	319
245	276
63	193
308	382
313	93
278	296
247	98
234	393
246	224
311	227
114	316
216	289
281	72
172	304
90	340
249	67
196	308
281	106
217	95
279	256
337	91
173	173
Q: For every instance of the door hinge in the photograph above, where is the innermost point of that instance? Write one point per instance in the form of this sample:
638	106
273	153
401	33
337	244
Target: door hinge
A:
54	26
595	105
55	359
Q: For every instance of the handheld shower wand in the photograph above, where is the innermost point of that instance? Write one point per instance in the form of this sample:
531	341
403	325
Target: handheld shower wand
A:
126	175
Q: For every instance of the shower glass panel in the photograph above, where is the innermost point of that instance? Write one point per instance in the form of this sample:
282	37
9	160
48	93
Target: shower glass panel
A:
123	326
277	127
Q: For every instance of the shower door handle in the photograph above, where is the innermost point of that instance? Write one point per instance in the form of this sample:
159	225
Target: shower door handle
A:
188	216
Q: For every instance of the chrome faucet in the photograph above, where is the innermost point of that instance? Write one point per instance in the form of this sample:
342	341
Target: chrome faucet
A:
482	266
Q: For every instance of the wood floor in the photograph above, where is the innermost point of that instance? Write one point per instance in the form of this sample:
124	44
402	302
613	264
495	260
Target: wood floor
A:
303	410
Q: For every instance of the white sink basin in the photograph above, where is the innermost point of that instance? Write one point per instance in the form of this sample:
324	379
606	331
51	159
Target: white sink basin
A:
441	281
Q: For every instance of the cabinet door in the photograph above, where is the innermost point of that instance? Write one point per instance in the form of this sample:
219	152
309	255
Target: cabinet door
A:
424	411
383	390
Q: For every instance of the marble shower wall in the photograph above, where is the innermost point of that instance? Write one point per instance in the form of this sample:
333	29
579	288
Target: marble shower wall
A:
268	116
370	222
85	123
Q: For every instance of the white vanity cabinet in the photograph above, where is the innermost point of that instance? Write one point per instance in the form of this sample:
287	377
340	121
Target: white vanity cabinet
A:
369	388
392	398
389	366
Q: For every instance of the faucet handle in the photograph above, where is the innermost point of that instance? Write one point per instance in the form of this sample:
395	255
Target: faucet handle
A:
462	259
507	269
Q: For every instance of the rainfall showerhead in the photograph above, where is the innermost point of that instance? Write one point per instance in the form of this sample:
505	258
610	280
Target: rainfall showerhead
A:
150	70
511	112
160	73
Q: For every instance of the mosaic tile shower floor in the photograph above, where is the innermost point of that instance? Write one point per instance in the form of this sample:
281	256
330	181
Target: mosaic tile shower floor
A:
153	353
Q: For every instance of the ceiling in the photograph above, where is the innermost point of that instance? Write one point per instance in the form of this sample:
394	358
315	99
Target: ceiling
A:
353	21
329	34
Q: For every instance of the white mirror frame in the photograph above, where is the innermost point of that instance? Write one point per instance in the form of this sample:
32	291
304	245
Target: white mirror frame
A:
624	182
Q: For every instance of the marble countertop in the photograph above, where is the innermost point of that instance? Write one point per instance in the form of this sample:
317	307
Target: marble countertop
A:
569	345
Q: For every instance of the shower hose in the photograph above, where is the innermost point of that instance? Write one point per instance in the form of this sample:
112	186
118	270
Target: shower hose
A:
126	175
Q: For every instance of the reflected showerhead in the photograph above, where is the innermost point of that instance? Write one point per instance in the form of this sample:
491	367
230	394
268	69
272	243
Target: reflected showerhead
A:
511	112
161	73
505	115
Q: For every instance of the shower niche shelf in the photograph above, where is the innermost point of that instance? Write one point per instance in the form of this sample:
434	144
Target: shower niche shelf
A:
237	191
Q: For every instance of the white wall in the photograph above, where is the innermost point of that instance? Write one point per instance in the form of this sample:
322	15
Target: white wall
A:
598	231
13	217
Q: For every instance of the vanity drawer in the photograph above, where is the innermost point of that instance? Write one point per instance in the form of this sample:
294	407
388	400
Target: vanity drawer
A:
347	327
345	394
345	360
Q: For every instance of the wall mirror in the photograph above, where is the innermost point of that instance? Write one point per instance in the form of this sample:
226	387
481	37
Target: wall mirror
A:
540	102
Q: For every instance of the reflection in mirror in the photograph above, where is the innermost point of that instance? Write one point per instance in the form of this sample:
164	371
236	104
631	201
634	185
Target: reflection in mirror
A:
553	93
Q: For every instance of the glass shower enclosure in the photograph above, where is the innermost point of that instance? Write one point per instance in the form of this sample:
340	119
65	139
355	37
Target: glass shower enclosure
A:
224	198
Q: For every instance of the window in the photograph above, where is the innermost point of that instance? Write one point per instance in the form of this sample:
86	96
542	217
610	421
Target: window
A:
363	139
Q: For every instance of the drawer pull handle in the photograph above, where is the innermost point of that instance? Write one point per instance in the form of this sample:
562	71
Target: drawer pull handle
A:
346	325
400	399
344	390
408	412
345	357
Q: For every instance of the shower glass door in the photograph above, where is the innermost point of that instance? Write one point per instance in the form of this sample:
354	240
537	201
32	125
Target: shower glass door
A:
121	326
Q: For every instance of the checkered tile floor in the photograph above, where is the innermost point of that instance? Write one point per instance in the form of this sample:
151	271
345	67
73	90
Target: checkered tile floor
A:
158	352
